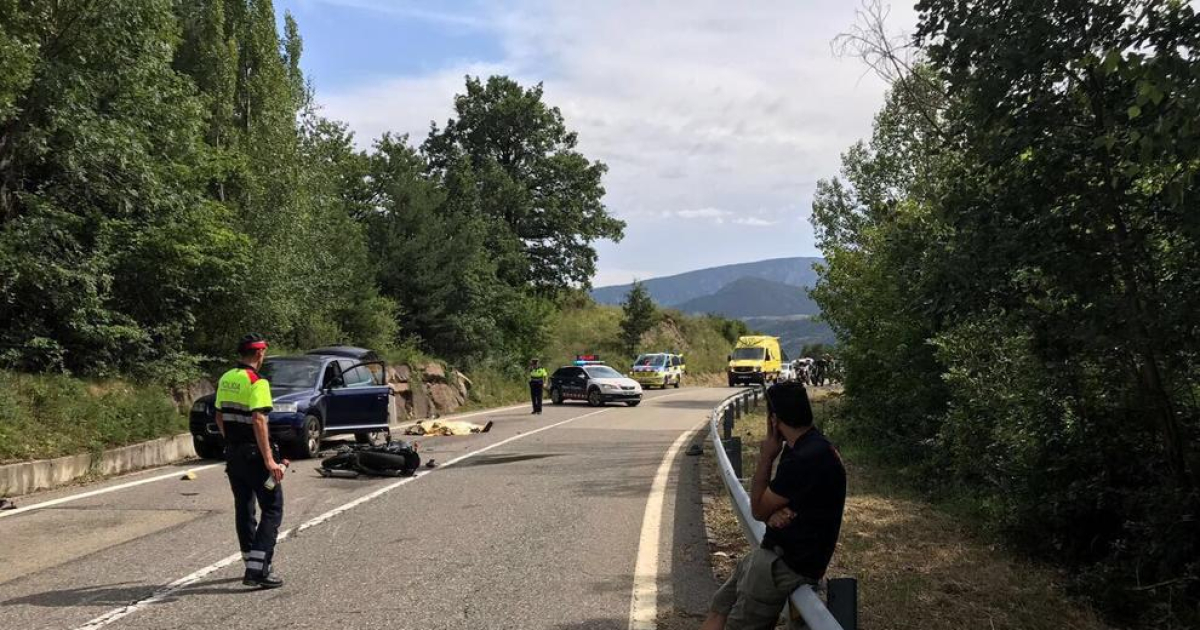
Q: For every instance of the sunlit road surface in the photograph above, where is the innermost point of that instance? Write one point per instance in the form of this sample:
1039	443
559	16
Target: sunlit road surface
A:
536	524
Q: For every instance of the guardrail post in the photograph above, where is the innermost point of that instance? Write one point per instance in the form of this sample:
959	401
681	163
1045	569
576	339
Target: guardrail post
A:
727	425
737	408
842	600
733	450
754	397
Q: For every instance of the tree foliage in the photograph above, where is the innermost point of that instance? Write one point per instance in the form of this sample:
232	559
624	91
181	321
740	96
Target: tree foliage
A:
544	196
167	183
1011	269
638	316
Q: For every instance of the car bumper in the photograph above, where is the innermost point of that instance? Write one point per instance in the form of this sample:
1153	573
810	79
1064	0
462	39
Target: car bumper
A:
282	430
620	396
746	377
651	379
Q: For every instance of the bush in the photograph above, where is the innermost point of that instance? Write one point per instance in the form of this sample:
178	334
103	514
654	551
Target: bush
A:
50	415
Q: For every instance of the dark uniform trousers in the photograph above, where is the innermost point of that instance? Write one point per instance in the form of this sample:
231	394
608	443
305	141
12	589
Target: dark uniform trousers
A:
535	393
247	476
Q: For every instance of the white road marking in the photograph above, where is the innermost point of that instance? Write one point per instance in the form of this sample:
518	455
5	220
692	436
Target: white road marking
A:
168	590
175	475
84	495
643	605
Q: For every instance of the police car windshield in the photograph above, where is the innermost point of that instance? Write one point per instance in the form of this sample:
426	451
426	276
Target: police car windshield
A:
602	371
656	360
293	372
752	354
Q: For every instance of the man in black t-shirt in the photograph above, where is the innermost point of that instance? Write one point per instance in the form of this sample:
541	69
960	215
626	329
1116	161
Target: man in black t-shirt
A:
802	507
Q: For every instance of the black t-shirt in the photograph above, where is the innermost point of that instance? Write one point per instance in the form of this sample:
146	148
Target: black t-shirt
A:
811	477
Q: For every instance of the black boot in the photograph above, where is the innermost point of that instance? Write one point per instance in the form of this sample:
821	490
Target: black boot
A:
262	580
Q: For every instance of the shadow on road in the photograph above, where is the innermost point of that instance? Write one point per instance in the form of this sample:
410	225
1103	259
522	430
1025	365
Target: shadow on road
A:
120	595
492	460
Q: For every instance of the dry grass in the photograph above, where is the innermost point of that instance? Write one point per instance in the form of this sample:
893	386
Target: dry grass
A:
916	567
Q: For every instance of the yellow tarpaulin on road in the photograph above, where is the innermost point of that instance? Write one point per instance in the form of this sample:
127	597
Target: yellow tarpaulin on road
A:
447	427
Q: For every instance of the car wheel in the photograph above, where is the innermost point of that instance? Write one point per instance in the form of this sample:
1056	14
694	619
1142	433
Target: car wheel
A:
633	403
310	438
732	383
207	450
556	396
594	399
677	380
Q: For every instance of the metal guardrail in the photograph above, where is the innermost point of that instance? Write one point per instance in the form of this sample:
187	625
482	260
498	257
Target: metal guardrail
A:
804	599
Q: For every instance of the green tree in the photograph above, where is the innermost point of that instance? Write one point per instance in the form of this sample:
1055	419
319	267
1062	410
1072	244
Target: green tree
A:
1011	269
638	316
100	195
543	198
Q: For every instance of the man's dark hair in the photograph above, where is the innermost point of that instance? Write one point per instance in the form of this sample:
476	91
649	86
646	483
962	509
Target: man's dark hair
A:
250	344
789	402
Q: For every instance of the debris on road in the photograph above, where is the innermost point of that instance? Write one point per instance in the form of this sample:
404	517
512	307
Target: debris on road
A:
431	463
6	504
447	427
695	449
188	476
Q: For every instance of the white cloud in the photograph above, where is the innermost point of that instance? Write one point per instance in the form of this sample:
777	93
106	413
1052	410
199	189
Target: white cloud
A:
702	213
694	106
753	221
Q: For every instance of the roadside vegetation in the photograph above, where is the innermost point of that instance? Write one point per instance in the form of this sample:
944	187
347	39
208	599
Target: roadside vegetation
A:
169	183
52	415
918	564
1012	271
48	415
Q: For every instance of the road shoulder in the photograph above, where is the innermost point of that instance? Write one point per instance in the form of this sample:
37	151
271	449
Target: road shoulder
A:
916	566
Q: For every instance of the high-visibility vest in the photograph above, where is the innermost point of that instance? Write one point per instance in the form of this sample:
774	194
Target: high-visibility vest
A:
538	375
240	393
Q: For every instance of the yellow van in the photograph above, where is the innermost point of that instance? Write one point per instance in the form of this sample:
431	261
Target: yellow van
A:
755	359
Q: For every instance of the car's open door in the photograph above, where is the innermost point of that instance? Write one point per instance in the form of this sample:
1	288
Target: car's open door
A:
359	399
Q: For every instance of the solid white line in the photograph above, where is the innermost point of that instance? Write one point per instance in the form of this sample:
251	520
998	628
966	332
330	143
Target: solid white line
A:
643	604
84	495
168	590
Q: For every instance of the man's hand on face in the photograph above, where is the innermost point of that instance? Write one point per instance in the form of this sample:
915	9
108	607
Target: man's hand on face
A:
781	518
773	443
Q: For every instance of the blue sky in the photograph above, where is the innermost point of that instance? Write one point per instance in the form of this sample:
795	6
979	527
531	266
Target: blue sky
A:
716	119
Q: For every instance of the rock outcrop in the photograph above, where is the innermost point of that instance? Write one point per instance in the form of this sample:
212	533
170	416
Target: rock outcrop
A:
426	391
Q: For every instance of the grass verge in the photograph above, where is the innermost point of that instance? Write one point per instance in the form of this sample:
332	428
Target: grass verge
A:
917	566
44	416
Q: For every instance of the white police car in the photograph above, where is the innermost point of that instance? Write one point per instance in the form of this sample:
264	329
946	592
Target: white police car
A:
594	382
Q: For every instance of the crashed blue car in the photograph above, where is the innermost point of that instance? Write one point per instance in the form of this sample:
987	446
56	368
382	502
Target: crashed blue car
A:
339	390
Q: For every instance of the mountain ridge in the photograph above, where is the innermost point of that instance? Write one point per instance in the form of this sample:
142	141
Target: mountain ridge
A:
679	288
754	297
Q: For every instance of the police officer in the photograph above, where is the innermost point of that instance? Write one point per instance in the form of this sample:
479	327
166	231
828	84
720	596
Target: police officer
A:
537	381
251	460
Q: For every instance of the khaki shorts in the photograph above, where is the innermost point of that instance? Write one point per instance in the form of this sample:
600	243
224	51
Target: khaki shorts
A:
754	596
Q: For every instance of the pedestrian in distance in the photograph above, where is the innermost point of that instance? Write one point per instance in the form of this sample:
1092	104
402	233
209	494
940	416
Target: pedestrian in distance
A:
537	383
802	508
252	460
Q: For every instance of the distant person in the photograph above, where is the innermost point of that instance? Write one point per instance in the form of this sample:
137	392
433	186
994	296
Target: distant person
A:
802	507
252	460
822	365
537	382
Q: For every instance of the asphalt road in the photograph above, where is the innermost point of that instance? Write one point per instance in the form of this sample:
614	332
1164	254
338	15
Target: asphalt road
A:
536	524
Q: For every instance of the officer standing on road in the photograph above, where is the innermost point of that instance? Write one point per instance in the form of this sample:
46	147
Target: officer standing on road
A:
251	461
537	381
